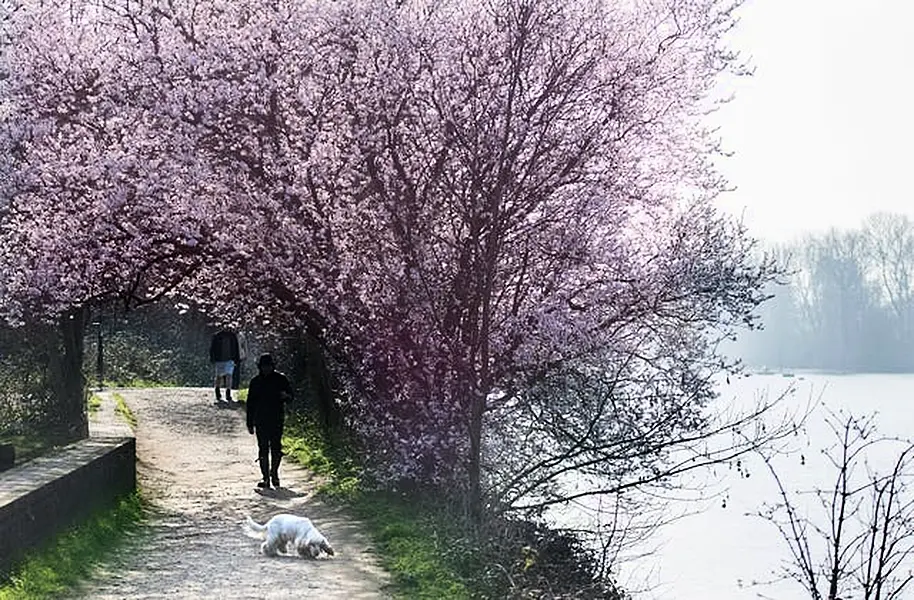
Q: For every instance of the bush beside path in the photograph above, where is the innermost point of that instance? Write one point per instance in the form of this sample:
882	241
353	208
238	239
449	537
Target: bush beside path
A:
196	464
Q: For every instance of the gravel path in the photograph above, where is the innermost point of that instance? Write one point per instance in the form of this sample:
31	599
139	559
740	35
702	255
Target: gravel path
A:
196	465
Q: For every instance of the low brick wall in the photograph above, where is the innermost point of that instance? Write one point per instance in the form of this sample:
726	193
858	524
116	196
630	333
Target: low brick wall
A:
46	495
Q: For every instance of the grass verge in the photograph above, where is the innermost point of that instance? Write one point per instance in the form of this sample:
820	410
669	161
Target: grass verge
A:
408	537
122	409
412	541
69	559
93	403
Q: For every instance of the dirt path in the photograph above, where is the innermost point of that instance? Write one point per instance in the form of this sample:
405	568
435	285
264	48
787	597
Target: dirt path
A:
196	464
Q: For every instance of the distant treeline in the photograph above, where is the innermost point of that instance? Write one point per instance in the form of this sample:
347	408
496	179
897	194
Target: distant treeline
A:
847	305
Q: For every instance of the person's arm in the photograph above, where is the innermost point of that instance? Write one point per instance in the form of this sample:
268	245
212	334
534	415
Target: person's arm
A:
285	395
236	348
251	404
286	392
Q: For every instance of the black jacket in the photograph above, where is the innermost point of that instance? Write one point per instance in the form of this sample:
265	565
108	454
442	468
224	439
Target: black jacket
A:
224	346
265	405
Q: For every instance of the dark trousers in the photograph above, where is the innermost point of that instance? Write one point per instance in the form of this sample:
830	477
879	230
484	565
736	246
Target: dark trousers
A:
269	448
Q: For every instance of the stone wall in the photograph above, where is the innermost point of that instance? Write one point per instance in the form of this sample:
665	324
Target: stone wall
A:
44	496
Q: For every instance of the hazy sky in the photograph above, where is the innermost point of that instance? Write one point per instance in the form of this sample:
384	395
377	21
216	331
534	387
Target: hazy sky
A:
823	131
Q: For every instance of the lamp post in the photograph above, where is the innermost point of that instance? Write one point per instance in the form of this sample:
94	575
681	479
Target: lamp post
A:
99	357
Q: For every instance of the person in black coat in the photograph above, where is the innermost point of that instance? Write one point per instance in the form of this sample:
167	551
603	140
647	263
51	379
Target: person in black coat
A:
224	353
267	395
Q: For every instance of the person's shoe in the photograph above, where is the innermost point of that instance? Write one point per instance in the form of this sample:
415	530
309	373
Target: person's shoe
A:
263	484
275	480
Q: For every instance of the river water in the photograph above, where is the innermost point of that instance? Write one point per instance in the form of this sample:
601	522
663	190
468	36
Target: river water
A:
718	552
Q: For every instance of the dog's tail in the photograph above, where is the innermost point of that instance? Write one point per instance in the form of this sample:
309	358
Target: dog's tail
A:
254	529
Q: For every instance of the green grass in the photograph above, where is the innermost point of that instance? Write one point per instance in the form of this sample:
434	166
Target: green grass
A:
50	572
93	403
410	540
122	409
408	535
306	444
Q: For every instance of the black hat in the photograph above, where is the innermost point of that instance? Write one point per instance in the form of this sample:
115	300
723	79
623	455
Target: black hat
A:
264	360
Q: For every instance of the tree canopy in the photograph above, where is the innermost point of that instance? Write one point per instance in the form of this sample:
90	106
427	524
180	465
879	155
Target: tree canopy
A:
498	216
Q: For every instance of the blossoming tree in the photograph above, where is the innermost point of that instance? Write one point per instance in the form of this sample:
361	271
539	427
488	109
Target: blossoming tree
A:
499	216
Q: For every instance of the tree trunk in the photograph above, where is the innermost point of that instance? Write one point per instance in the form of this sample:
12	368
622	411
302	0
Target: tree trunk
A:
474	471
65	376
319	378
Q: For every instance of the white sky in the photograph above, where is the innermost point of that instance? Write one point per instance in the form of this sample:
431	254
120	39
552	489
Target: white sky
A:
823	131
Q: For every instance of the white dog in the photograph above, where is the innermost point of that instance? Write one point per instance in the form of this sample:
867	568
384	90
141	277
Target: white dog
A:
283	531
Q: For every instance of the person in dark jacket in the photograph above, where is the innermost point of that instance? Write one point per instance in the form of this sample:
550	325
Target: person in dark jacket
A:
224	353
267	395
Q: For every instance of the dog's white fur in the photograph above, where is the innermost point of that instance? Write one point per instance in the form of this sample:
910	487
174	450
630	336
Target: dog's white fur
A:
283	532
